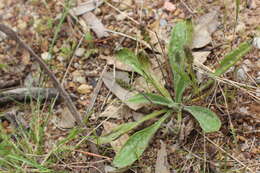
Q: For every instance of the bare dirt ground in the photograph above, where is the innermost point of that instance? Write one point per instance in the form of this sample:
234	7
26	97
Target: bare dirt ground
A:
77	55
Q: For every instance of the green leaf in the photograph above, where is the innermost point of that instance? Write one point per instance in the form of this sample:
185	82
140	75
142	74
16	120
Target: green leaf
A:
2	66
141	65
229	61
124	128
129	58
29	162
232	58
5	149
153	98
181	38
207	119
120	130
137	143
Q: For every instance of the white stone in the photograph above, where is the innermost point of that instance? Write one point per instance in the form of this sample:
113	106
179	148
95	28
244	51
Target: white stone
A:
80	52
256	42
257	80
241	74
46	56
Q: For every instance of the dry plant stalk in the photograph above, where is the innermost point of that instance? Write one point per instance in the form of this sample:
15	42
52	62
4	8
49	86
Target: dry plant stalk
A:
13	35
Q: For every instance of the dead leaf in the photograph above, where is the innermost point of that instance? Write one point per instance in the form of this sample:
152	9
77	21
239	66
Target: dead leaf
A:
186	128
200	57
26	57
95	24
111	60
111	111
161	165
205	26
85	7
66	120
120	92
118	143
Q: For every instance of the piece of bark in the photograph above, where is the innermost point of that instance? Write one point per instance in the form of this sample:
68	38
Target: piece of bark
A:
24	94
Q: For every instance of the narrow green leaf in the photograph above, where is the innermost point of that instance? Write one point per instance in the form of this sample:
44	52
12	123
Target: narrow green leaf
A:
137	143
153	98
120	130
229	61
29	162
129	58
207	119
72	135
181	37
124	128
5	149
232	58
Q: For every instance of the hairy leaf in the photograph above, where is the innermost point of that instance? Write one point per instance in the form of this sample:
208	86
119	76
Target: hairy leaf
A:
229	60
233	57
136	144
124	128
181	37
129	58
141	65
207	119
153	98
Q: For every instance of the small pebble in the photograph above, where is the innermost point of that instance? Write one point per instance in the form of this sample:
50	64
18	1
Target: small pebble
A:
251	4
256	42
46	56
257	80
241	74
163	22
84	89
80	52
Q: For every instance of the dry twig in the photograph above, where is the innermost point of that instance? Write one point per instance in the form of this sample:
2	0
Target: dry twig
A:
10	33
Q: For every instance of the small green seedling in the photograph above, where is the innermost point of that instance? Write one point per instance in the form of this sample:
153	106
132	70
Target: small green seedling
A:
180	60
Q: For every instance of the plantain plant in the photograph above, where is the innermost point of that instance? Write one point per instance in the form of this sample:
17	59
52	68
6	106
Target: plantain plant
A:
180	60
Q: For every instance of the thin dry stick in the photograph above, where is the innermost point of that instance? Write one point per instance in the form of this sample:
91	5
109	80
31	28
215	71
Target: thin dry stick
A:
96	91
93	154
10	33
230	155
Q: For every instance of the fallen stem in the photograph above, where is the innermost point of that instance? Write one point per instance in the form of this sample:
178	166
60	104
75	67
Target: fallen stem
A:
10	33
